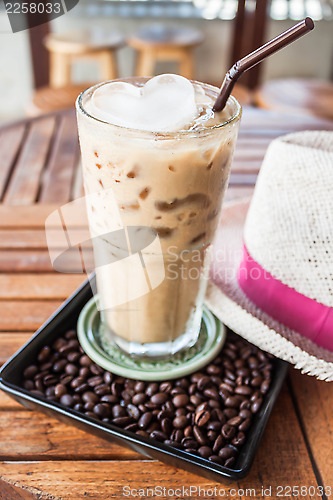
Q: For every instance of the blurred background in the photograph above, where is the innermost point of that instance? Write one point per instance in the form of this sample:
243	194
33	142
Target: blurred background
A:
45	67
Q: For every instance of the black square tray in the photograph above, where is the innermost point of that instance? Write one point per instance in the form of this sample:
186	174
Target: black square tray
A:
66	318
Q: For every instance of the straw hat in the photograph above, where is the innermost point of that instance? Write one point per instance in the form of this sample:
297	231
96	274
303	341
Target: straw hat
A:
272	272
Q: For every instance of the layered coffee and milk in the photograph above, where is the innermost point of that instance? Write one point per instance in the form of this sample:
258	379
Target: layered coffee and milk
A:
156	162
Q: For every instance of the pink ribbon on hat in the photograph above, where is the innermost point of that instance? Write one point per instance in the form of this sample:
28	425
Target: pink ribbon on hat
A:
283	303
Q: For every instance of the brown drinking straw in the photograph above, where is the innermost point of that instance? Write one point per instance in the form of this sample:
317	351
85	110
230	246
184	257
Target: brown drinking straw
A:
257	56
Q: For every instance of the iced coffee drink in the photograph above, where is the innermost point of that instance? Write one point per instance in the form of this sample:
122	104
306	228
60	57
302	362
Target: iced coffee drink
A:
156	163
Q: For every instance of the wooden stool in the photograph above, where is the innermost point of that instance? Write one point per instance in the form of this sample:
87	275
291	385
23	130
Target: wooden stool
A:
158	42
307	96
66	48
48	99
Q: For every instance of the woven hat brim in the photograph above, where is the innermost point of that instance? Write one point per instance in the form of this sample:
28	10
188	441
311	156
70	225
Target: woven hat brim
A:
228	302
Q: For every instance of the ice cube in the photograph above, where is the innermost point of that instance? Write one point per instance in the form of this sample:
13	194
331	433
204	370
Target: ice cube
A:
165	103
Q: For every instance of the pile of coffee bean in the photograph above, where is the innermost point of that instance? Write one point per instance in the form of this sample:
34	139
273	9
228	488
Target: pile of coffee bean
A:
207	413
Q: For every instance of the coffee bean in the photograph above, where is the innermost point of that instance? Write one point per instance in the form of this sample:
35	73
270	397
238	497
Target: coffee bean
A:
109	398
235	421
90	397
85	361
265	386
239	440
66	379
228	431
180	400
230	413
71	369
89	406
165	387
82	388
78	407
213	370
205	451
101	410
245	414
211	393
44	354
131	427
195	400
95	369
116	389
245	405
122	421
159	435
152	389
180	422
67	400
202	417
145	420
212	435
218	443
159	398
76	382
133	411
199	435
139	398
102	389
28	385
243	390
59	365
107	377
226	387
227	452
229	462
95	381
188	431
244	426
140	387
49	380
256	405
202	407
214	426
60	390
233	402
203	382
190	444
73	356
154	426
253	362
49	392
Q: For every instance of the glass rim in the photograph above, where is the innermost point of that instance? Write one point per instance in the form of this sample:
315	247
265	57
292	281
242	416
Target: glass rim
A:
178	133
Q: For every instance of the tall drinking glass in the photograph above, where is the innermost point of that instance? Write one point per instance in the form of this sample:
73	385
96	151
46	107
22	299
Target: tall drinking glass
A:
155	207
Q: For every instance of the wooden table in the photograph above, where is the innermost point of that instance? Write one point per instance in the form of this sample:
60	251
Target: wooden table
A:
43	458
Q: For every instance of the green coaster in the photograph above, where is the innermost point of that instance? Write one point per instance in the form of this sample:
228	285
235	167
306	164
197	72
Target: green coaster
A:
90	334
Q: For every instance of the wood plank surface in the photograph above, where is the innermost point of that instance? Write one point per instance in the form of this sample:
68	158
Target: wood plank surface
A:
281	446
58	177
9	404
25	181
33	435
36	261
10	342
32	313
314	400
10	144
31	216
44	458
32	286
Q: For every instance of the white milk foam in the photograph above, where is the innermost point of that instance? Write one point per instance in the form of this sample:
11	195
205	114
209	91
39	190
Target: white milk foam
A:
165	103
